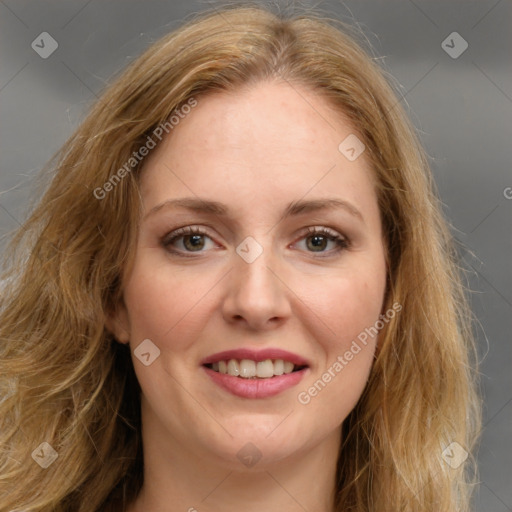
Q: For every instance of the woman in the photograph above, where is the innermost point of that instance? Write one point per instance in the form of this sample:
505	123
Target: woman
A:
239	292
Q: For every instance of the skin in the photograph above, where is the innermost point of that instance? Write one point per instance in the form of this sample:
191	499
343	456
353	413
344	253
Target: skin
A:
254	150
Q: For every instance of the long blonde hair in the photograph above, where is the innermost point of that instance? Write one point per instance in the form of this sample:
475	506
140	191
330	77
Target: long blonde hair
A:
65	381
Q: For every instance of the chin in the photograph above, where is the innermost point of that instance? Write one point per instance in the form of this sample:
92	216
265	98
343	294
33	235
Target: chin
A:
258	444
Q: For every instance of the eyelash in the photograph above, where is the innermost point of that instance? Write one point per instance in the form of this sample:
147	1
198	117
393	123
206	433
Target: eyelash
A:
341	242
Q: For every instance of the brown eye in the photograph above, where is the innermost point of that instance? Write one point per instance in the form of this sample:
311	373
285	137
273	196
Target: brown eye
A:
186	240
193	242
318	240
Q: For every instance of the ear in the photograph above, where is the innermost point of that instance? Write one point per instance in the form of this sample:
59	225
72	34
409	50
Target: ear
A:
117	322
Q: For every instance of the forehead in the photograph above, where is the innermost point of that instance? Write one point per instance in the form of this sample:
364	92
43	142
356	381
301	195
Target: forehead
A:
270	141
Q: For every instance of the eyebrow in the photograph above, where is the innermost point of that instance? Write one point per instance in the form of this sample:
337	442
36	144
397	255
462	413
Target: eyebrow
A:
295	208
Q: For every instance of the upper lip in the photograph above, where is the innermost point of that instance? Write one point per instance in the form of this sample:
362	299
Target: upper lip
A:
256	355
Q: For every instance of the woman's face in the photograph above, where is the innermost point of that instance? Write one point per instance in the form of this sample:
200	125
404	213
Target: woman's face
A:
247	178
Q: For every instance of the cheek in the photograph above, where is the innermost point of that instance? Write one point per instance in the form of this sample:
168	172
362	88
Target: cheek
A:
350	308
346	306
164	305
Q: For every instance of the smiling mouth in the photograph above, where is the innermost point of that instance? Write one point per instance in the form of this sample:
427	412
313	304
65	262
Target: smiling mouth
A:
249	369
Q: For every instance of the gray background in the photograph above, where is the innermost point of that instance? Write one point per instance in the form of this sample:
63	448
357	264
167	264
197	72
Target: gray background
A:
462	108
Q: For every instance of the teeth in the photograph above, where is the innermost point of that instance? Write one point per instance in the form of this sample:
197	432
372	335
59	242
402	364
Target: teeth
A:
265	369
233	367
278	367
288	367
249	369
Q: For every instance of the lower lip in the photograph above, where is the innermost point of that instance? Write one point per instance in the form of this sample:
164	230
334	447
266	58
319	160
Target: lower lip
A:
256	388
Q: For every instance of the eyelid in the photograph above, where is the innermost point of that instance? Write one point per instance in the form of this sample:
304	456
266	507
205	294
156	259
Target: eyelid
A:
323	229
187	230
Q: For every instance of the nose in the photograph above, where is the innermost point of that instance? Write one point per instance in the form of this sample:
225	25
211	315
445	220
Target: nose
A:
257	297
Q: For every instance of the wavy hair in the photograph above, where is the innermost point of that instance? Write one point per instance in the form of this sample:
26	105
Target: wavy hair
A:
67	382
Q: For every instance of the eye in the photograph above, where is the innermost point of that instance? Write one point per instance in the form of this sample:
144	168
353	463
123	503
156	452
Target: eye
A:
317	240
191	239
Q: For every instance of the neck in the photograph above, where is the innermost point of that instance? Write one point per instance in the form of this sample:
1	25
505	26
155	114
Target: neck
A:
178	479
